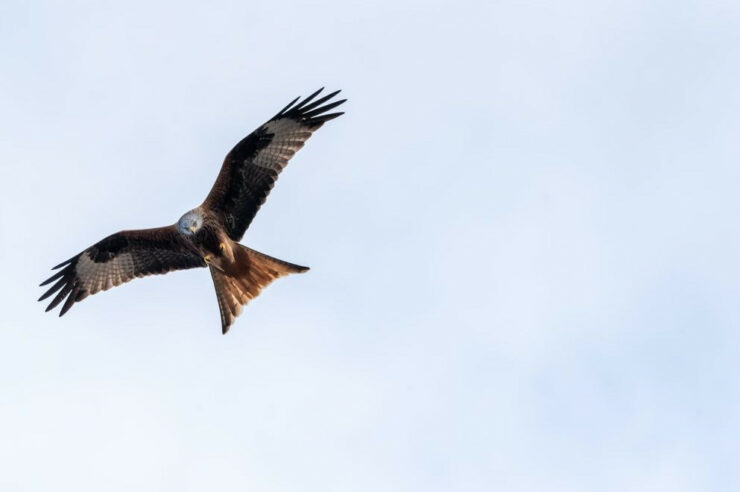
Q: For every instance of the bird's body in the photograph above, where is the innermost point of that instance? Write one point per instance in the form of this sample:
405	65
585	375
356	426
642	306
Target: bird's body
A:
203	228
209	234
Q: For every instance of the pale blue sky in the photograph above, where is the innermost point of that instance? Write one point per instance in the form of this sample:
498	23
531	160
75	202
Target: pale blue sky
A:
523	238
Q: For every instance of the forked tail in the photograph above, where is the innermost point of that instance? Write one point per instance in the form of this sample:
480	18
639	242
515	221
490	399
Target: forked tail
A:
244	280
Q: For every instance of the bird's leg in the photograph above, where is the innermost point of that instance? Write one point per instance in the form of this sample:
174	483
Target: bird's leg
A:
209	261
226	251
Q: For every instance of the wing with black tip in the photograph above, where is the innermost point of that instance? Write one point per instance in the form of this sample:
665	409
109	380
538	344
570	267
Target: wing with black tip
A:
251	168
117	259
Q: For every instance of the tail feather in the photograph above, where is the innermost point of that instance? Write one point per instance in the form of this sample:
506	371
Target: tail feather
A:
244	280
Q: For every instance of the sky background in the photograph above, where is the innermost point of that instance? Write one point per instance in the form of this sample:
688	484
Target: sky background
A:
523	238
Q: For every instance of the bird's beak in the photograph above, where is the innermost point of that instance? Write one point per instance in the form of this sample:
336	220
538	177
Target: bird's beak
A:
193	228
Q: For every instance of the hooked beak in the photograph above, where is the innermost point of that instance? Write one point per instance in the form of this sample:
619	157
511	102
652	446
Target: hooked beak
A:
192	228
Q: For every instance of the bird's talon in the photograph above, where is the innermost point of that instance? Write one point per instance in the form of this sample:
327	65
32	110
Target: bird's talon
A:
207	258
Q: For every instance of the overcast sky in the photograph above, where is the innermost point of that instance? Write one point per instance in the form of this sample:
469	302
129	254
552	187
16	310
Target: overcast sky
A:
523	242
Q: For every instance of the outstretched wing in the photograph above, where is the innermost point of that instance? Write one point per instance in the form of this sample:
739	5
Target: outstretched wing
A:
117	259
251	168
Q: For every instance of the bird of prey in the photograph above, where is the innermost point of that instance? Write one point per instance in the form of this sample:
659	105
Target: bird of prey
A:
209	234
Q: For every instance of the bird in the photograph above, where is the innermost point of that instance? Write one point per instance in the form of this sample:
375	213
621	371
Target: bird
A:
209	234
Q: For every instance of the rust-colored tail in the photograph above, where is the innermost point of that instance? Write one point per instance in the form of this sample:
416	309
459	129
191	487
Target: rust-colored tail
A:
244	280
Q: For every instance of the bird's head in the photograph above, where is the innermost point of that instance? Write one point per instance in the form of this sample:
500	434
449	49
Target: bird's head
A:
190	223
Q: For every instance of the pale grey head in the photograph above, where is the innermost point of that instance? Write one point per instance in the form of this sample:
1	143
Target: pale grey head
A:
190	223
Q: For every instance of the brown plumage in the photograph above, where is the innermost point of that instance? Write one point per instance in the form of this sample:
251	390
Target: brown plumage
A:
244	279
207	235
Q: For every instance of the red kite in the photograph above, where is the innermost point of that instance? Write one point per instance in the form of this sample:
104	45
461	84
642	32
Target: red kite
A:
209	234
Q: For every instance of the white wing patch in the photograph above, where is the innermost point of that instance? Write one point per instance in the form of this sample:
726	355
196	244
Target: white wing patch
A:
95	277
288	137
